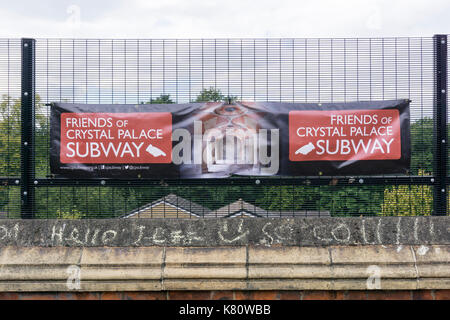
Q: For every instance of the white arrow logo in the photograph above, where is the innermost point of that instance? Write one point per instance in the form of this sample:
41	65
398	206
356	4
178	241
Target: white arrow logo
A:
154	151
305	149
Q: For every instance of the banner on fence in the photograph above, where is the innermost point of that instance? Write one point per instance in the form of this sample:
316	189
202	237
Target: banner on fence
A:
216	139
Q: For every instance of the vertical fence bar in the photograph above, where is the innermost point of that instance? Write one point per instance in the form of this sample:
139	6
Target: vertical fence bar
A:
440	124
27	127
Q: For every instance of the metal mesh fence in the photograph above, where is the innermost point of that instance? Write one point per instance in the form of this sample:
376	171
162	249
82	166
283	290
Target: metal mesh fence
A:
286	70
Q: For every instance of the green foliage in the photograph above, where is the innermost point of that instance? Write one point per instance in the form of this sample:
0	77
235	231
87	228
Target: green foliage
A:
59	213
408	200
336	200
162	99
355	200
10	135
213	95
93	202
422	147
73	214
3	197
210	95
284	198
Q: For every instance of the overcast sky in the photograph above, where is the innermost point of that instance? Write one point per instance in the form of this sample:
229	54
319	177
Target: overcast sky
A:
222	19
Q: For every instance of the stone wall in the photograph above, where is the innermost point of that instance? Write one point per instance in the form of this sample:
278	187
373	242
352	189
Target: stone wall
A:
328	257
226	232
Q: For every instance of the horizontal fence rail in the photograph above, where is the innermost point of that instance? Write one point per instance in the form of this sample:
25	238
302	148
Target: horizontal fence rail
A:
34	73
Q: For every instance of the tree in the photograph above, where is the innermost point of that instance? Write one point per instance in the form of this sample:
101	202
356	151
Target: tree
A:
210	95
408	200
162	99
213	95
10	145
422	146
10	134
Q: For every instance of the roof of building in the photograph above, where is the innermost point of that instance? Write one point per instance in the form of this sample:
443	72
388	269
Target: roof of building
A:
234	209
243	208
175	201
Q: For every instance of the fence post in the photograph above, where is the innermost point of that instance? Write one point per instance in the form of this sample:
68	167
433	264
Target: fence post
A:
27	128
440	124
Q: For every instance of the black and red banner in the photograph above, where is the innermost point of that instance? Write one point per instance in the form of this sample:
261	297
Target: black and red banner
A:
216	139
